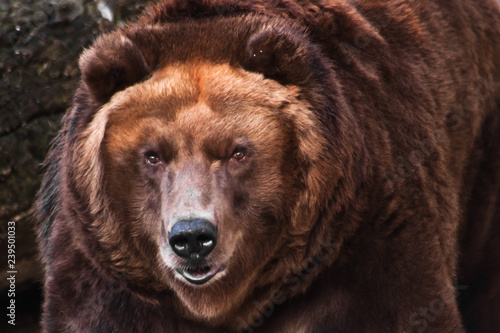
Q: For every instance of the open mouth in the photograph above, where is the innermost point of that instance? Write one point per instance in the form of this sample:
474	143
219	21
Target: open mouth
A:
200	274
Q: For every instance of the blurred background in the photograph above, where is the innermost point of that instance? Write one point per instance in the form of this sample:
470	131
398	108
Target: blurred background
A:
40	41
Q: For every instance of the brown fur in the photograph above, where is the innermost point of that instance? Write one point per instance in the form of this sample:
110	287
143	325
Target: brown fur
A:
370	180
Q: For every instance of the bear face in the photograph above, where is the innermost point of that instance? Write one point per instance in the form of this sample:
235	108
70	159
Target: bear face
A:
191	143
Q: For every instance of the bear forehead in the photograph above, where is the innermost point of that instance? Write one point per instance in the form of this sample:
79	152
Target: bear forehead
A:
226	90
209	101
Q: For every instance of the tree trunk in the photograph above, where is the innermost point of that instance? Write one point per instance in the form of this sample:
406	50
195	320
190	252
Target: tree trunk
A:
40	41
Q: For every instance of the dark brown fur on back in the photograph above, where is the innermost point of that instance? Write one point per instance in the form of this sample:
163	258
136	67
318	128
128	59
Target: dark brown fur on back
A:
367	199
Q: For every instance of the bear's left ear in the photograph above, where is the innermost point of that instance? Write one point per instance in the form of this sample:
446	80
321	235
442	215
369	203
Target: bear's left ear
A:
282	54
113	63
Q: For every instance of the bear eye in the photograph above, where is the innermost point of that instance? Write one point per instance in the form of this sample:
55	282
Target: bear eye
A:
152	158
239	154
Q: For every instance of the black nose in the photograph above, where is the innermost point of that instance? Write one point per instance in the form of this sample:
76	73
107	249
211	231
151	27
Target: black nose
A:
193	239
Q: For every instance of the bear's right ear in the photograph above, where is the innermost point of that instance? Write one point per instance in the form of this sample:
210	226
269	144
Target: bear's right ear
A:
113	63
284	54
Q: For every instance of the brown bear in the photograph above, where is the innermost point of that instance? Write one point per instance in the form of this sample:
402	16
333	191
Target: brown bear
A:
280	166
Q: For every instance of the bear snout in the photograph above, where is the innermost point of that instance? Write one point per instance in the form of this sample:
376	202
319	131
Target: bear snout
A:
193	239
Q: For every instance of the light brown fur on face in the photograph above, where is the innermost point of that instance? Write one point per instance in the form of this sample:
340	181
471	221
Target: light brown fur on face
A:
193	116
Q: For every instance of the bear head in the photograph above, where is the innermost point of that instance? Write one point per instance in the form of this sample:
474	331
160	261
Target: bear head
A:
206	154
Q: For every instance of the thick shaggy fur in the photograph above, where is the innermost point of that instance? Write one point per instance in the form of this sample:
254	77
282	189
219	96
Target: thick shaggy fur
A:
366	192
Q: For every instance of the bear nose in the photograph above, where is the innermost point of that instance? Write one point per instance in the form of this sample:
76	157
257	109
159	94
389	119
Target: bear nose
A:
193	239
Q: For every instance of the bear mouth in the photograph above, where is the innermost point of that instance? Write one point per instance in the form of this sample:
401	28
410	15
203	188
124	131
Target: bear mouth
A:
200	274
